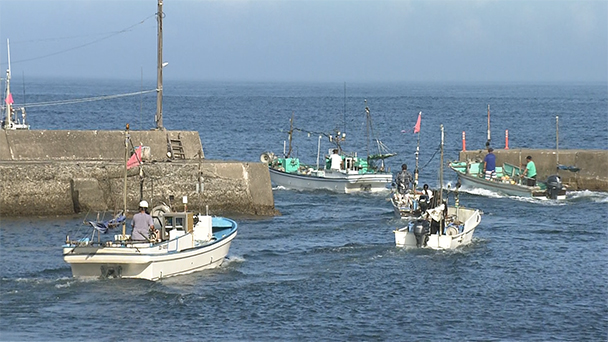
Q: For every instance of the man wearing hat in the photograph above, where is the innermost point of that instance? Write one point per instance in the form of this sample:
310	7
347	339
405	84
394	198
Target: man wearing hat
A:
142	223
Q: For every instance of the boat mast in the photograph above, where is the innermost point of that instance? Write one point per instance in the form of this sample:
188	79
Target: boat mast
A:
8	124
124	190
441	183
557	139
159	69
417	154
368	126
290	135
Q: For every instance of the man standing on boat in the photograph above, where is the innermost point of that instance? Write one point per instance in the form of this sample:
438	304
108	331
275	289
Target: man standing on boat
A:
336	160
530	172
489	165
404	179
142	223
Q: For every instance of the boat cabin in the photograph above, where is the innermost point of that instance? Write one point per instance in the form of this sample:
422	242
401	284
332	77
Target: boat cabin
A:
289	165
176	224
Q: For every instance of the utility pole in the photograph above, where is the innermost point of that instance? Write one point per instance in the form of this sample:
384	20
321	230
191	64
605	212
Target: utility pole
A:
159	69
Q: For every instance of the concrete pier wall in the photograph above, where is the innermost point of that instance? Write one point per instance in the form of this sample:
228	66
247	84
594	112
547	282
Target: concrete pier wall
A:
67	172
593	164
42	145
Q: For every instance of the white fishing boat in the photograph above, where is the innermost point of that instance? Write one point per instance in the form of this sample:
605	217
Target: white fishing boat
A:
180	243
355	174
440	226
183	243
11	120
460	224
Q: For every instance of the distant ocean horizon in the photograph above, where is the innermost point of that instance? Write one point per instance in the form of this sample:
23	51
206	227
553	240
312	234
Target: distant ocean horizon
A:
18	80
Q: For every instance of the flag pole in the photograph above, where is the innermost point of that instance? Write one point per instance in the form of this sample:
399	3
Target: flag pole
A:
417	128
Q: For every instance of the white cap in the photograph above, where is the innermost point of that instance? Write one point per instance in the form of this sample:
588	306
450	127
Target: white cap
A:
143	204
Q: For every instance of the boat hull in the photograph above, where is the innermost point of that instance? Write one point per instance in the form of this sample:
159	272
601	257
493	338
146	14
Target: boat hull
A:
149	261
471	218
505	188
335	181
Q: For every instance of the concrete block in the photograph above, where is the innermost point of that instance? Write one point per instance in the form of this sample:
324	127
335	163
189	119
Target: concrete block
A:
86	195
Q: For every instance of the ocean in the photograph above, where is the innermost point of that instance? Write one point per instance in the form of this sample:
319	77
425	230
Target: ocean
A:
327	268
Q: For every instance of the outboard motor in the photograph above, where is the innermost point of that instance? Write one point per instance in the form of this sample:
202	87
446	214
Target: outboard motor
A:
422	230
554	186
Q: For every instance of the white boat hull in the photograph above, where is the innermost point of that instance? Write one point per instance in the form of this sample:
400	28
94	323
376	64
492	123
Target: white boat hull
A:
335	181
144	260
471	218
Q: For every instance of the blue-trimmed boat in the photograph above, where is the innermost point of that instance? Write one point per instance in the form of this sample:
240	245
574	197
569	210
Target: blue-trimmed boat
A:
181	243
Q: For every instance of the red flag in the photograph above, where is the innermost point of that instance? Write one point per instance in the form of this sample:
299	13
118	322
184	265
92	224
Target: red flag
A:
9	99
417	127
135	159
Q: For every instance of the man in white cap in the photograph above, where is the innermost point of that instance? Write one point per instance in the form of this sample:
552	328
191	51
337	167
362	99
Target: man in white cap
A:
142	223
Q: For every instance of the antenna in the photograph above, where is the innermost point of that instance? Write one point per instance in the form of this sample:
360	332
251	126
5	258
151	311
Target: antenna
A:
488	142
344	109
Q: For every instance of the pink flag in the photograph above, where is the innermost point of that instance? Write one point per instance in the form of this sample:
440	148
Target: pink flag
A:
9	99
135	159
417	127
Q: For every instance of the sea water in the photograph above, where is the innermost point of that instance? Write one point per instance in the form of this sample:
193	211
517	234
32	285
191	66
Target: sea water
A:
327	269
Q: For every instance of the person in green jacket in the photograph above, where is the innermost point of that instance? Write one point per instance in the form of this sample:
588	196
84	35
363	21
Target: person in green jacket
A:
530	172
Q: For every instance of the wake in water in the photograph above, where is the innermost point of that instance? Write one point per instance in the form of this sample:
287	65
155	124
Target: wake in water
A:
571	196
593	196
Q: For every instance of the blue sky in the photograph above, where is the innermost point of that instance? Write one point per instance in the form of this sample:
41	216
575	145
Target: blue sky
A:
318	41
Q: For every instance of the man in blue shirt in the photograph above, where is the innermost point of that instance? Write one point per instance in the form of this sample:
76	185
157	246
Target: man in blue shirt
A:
489	165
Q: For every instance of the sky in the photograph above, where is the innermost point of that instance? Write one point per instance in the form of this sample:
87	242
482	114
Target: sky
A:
534	41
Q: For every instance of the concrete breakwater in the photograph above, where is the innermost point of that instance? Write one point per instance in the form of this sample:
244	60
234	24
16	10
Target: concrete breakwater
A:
593	164
67	172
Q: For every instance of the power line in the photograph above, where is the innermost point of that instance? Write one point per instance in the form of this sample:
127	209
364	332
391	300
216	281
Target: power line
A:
87	99
112	34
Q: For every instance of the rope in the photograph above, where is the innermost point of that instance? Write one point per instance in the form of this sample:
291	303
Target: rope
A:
433	156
